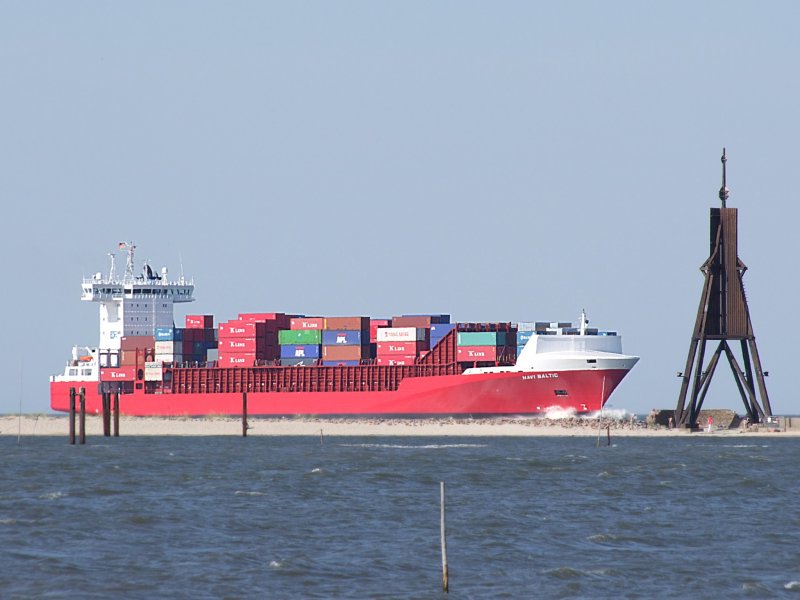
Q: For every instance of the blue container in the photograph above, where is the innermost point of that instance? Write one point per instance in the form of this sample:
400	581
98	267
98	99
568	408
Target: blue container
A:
439	330
298	362
163	334
332	337
302	351
524	336
341	363
434	341
519	350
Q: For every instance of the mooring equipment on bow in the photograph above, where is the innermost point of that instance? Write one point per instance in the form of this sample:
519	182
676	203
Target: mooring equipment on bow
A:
723	315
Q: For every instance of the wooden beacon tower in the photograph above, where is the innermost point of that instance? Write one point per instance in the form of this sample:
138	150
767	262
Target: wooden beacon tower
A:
723	315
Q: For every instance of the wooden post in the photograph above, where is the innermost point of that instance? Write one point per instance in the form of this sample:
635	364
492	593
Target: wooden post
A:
321	438
72	416
82	418
244	414
445	574
106	414
116	414
608	432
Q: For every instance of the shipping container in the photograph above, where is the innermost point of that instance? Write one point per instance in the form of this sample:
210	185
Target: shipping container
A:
169	358
278	317
341	363
478	353
164	334
245	329
136	342
347	323
403	334
331	337
299	362
441	329
411	321
307	323
239	344
236	360
407	348
345	352
526	326
300	337
124	373
199	321
524	336
481	338
396	360
168	347
301	351
374	324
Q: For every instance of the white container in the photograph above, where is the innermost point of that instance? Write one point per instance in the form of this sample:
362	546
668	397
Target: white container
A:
167	347
402	334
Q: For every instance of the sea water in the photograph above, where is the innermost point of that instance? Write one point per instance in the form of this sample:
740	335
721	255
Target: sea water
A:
300	517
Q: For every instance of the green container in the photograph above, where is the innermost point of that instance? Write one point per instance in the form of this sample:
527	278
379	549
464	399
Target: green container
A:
481	338
288	337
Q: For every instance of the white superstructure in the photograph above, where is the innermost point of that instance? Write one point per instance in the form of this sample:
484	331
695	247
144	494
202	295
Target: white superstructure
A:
565	349
131	306
135	304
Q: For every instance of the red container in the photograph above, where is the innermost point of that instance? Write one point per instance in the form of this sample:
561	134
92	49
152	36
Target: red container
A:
477	353
244	329
395	360
241	344
344	352
126	373
407	348
278	319
373	328
304	323
236	360
347	324
199	321
134	342
412	321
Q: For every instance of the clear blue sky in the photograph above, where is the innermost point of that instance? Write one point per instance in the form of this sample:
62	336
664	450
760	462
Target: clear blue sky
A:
497	161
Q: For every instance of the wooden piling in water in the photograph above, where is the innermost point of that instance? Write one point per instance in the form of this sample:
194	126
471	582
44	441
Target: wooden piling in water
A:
116	414
321	438
608	432
72	416
106	414
445	574
244	414
82	417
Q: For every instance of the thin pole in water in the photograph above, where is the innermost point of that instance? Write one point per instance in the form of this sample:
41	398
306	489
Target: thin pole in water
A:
600	416
19	421
116	414
244	414
445	574
321	438
72	416
82	423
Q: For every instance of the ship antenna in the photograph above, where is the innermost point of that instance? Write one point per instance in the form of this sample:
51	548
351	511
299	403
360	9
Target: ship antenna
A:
584	322
129	264
723	191
111	271
180	261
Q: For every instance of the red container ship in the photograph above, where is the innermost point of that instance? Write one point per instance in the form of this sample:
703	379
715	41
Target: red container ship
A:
444	368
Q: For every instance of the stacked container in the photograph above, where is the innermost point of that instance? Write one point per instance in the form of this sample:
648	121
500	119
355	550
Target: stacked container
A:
199	336
481	346
169	344
401	345
301	343
525	331
345	341
250	338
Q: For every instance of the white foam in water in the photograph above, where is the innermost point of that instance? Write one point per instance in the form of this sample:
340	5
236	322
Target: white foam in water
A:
275	564
556	412
316	470
243	493
792	585
613	414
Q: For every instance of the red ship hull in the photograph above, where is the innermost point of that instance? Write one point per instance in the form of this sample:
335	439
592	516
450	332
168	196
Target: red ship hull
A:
478	394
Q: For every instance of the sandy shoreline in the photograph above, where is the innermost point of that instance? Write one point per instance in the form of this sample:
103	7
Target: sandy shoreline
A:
58	425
